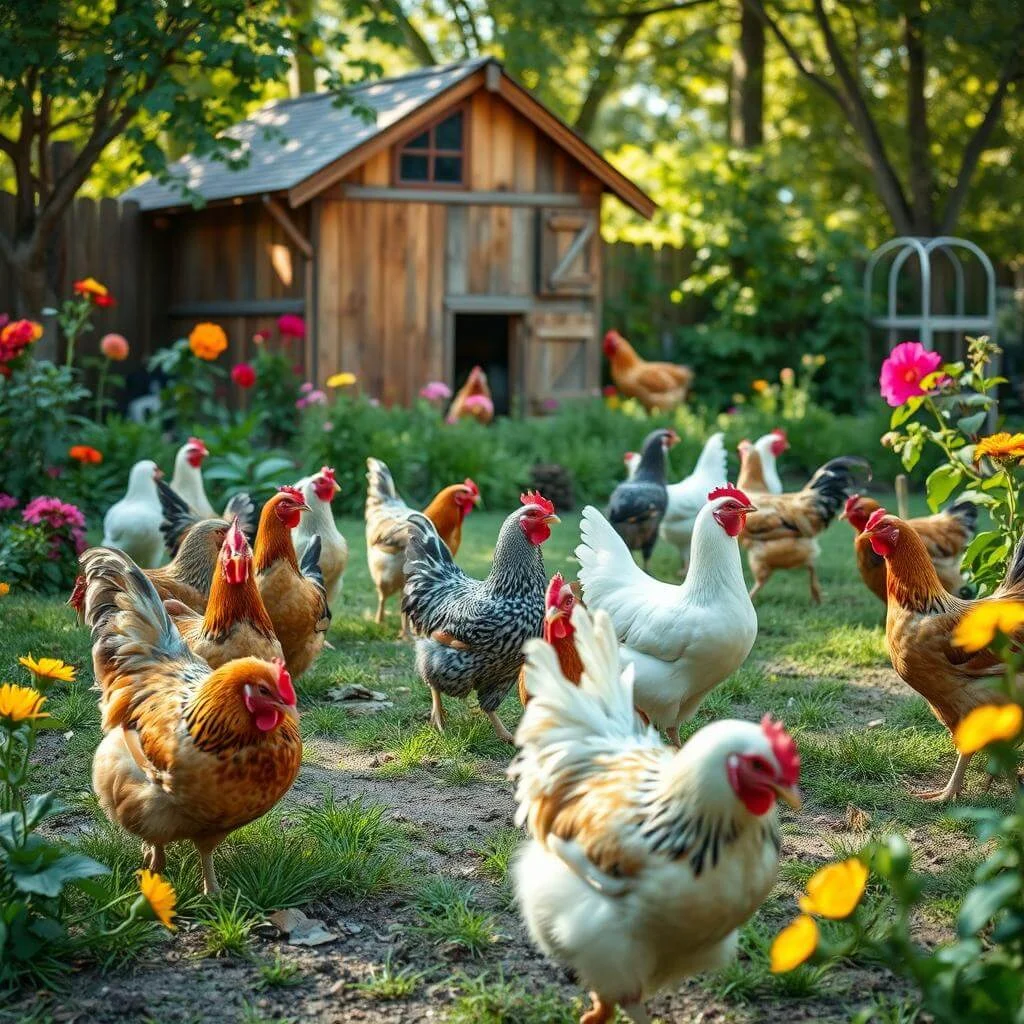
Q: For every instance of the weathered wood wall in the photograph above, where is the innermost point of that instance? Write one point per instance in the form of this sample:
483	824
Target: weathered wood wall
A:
391	271
104	239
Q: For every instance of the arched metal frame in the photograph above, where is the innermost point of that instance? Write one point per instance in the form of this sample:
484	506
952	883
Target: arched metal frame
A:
927	323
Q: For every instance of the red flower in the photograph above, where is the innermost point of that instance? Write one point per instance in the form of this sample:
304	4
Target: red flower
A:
95	292
83	453
609	390
104	300
291	326
243	375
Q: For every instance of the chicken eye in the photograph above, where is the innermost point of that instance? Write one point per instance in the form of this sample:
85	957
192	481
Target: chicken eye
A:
264	691
761	765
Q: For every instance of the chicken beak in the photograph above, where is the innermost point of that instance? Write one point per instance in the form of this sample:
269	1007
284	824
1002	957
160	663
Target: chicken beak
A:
790	794
302	506
747	509
478	500
551	519
158	473
337	486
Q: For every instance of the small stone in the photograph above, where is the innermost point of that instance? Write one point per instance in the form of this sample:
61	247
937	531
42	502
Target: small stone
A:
300	930
876	722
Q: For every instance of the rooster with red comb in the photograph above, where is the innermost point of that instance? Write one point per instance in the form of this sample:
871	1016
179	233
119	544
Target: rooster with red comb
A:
318	492
642	862
471	632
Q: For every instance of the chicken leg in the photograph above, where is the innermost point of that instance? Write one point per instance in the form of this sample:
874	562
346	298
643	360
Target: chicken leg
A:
153	857
499	727
955	785
815	589
206	845
437	713
379	618
600	1013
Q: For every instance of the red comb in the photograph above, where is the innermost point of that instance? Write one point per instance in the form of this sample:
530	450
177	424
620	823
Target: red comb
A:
284	682
779	432
197	441
292	492
554	594
628	456
328	472
728	491
77	598
471	485
875	518
784	749
235	540
536	498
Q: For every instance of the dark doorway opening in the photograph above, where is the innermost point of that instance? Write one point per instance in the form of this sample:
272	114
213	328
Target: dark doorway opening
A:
484	340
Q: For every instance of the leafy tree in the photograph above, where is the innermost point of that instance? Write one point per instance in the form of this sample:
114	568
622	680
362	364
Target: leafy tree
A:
135	73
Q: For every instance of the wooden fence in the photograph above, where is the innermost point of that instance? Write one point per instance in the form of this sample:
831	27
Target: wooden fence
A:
104	239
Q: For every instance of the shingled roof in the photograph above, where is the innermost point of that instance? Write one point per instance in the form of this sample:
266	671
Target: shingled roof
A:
289	141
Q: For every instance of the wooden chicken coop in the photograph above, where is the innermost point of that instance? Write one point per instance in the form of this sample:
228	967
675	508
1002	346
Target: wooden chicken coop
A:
445	219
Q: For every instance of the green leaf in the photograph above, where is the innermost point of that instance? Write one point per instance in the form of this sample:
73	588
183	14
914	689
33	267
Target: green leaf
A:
981	542
941	483
983	902
972	424
51	878
903	413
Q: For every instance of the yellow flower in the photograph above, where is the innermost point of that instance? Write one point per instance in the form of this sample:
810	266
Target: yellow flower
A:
19	703
987	724
89	286
160	896
5	589
341	380
207	341
760	386
49	668
835	890
794	944
1000	446
977	629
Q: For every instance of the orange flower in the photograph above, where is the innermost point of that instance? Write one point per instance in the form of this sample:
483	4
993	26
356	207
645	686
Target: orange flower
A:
1000	446
207	341
98	294
83	453
114	347
760	386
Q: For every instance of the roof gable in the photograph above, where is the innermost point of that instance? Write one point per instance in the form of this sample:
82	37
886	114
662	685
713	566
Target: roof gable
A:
304	145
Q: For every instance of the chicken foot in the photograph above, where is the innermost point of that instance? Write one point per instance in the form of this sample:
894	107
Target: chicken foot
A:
379	618
955	785
499	727
206	846
153	857
437	713
600	1013
815	588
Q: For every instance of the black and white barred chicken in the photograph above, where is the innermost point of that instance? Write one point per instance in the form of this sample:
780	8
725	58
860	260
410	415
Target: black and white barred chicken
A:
471	632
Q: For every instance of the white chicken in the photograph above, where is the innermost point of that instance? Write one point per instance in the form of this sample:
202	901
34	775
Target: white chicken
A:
188	477
688	497
758	469
631	460
133	523
642	862
681	640
319	490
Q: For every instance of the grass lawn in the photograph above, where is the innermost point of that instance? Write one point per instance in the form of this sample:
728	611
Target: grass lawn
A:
399	839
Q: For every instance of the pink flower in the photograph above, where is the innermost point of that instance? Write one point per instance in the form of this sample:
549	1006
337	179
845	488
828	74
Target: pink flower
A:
260	336
53	472
53	512
7	502
328	426
436	391
291	326
549	404
375	402
243	375
316	397
114	347
481	402
908	364
306	388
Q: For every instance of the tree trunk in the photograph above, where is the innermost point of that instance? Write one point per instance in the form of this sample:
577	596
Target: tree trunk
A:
32	294
305	66
607	68
746	86
918	141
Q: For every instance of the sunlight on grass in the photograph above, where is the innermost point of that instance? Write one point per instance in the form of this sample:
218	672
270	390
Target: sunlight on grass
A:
447	914
841	649
489	999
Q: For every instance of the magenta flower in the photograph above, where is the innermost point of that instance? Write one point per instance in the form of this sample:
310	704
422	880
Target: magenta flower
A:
53	512
291	326
436	391
481	402
549	404
306	388
7	502
243	375
908	364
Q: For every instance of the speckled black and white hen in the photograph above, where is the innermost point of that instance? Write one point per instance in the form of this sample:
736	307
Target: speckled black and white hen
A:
471	632
638	504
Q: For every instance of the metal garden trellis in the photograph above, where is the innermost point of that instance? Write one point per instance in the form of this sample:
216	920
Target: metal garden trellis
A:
927	322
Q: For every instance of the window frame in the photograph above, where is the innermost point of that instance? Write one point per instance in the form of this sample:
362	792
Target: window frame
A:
432	152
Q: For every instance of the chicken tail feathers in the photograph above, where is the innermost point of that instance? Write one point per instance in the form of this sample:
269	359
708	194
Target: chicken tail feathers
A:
966	513
1013	582
131	629
309	566
835	481
380	487
243	508
605	560
712	462
178	517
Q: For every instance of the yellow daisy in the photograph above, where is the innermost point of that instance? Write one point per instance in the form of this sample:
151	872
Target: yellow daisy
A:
341	380
835	890
987	724
49	668
160	896
977	629
794	944
1000	446
21	703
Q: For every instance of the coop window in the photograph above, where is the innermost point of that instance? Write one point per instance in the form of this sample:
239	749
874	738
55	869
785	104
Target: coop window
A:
437	155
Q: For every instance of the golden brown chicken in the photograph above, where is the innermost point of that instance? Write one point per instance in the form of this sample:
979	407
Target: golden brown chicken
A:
921	617
783	532
945	535
387	527
473	399
236	624
559	602
293	593
656	386
189	753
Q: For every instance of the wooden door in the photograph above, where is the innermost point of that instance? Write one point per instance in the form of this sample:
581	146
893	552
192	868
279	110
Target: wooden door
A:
567	252
560	358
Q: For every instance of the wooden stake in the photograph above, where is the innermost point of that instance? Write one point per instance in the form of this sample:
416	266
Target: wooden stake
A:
902	497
